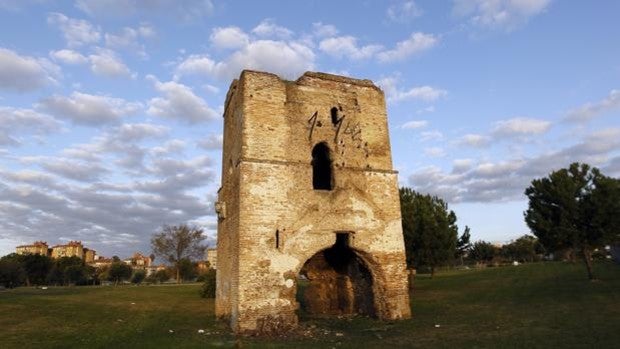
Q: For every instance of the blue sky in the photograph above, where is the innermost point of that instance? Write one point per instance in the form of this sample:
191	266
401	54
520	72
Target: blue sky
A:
110	110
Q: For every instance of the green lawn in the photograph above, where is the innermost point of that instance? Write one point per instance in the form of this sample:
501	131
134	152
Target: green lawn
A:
546	305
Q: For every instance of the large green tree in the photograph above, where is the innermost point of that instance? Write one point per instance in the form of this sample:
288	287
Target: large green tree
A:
37	268
429	229
12	273
524	249
482	251
577	208
119	271
176	243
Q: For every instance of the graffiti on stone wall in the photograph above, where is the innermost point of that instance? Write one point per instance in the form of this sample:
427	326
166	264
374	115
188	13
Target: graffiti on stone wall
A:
351	129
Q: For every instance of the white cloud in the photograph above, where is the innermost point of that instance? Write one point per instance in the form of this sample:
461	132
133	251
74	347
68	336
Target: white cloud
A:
268	29
107	63
267	55
416	43
196	64
16	122
229	38
589	111
137	132
321	30
461	165
67	56
499	14
346	47
474	140
414	124
86	109
520	127
421	93
24	73
403	11
506	180
76	32
179	102
431	136
129	39
434	152
211	142
264	55
71	169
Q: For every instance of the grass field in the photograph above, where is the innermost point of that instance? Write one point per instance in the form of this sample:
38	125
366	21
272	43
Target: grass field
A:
544	305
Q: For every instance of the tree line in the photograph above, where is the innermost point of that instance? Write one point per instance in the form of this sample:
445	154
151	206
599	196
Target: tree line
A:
576	209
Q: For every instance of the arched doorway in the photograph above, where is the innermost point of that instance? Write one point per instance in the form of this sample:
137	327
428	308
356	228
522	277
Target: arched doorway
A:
336	281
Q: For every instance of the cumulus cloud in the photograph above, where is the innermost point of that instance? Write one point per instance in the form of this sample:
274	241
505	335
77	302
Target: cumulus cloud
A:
416	43
403	11
589	111
474	140
86	109
347	47
499	14
179	102
269	29
229	38
19	122
24	73
520	126
211	142
414	124
434	152
76	32
506	180
129	39
421	93
72	169
434	135
123	143
321	30
265	55
107	63
67	56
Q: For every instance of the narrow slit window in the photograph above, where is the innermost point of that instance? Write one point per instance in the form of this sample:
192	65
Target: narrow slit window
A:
277	239
321	167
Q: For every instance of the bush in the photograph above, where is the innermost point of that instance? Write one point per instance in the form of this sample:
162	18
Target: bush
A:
138	277
119	271
158	277
208	288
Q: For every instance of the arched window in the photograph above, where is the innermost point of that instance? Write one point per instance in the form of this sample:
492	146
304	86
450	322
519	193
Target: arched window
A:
321	167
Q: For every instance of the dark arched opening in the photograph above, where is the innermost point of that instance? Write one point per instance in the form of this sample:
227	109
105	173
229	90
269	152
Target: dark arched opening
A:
336	281
321	167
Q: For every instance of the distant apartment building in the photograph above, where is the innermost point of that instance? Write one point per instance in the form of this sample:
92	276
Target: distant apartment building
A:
89	255
38	247
71	249
212	257
138	261
100	262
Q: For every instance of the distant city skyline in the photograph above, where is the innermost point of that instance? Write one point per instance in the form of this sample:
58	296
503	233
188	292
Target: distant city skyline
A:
110	110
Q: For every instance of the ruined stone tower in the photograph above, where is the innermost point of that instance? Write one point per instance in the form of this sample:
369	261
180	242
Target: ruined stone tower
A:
309	202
